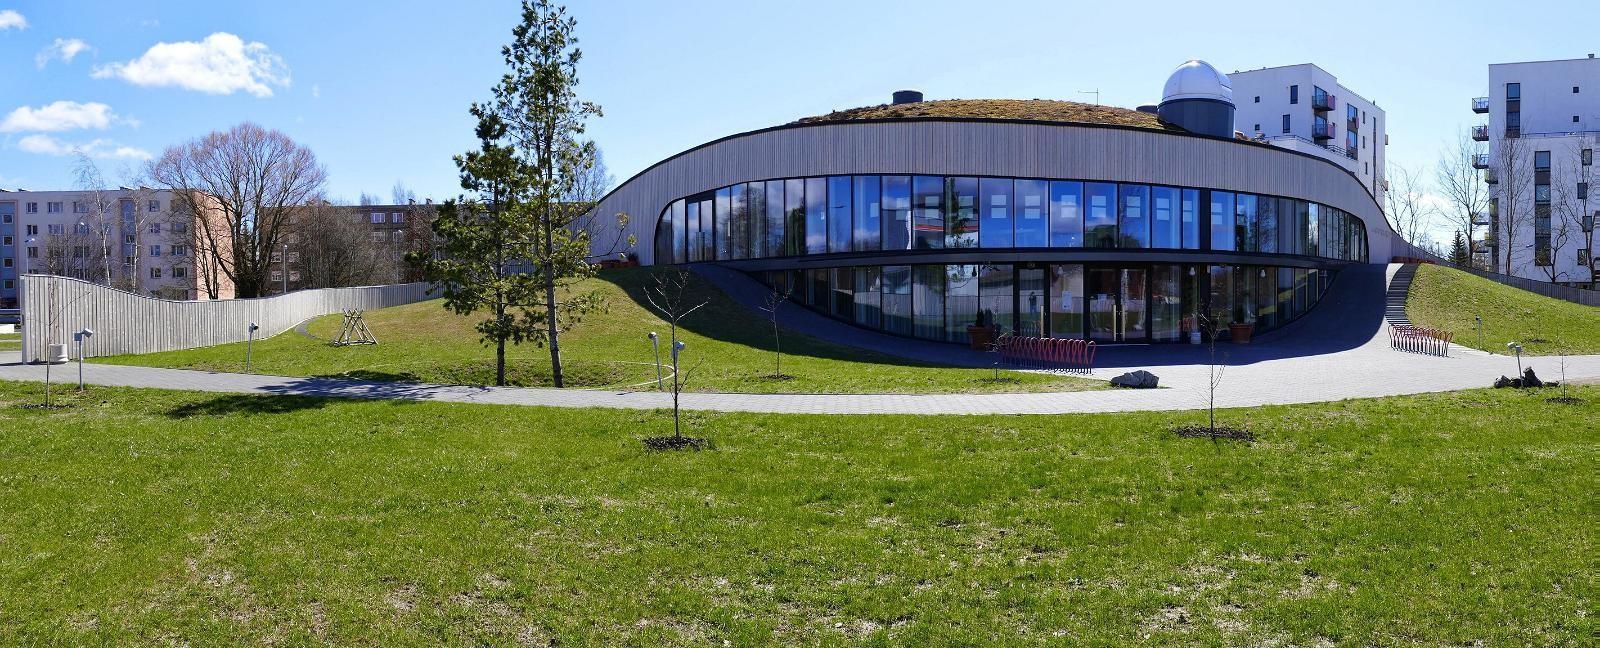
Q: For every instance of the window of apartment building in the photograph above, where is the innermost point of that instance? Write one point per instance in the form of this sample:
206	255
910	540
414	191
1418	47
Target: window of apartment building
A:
1583	257
10	284
1363	141
33	208
180	250
155	250
1583	191
378	237
33	252
57	229
32	230
179	272
1574	89
127	262
1513	91
277	257
1294	94
128	239
80	207
1258	128
1285	123
397	217
153	206
1587	157
1588	221
52	207
155	228
80	228
1541	160
294	257
277	275
80	251
1258	98
377	218
7	241
155	272
294	275
6	218
178	228
8	262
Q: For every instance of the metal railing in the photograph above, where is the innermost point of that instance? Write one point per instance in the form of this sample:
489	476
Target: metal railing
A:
1480	161
1420	339
1323	101
1324	131
1480	133
1480	104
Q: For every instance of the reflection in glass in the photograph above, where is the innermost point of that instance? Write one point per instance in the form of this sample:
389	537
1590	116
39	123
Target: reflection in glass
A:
1100	215
896	213
994	213
1066	214
961	299
1031	320
1135	211
1166	303
772	244
724	211
1244	223
897	299
816	215
839	227
1104	290
842	282
995	296
1066	301
1164	232
663	243
927	302
692	234
1222	220
1031	222
1190	209
961	213
927	200
755	197
869	310
738	231
868	229
794	237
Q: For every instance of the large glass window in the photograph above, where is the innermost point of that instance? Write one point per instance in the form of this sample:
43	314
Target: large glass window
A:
663	242
961	300
1164	225
755	198
723	232
927	303
896	213
927	200
693	236
961	212
1031	208
1066	214
1032	318
1135	213
841	281
773	244
1244	223
1166	303
897	299
1100	215
839	227
680	233
739	223
1222	220
868	299
1066	301
794	195
1190	210
868	228
995	295
1265	231
994	205
816	215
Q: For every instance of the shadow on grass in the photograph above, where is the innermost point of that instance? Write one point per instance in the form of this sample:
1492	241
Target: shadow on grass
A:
246	404
373	376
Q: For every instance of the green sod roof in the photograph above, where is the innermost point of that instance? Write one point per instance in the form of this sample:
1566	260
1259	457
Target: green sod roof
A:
1045	110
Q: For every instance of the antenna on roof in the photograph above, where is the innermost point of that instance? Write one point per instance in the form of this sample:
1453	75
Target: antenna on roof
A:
1095	92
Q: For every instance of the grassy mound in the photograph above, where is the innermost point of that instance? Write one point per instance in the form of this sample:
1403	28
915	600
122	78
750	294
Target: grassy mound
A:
1449	299
730	346
147	516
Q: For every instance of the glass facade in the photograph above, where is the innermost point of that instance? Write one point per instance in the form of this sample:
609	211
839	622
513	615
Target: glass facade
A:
1109	302
870	213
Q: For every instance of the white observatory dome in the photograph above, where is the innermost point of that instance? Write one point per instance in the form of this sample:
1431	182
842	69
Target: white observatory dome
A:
1197	80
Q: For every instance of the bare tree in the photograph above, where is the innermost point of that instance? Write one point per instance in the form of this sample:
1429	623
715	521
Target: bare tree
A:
332	249
1583	211
1463	188
669	296
1407	206
1565	225
591	184
1515	181
400	194
251	179
775	299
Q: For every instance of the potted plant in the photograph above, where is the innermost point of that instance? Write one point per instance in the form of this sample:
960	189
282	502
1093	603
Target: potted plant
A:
1239	331
980	333
1191	325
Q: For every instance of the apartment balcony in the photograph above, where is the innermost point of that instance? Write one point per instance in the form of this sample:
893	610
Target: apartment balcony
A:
1322	131
1480	105
1480	161
1490	177
1350	153
1480	133
1513	132
1322	101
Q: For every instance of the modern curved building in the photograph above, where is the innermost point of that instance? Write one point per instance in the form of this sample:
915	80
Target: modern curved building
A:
1042	218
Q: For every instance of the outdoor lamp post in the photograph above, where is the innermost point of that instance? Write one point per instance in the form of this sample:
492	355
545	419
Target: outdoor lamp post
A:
1516	348
655	342
1477	327
249	343
285	268
676	347
81	337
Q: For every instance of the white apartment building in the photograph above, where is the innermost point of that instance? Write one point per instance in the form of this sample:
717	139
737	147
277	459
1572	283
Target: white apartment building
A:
1304	108
1543	128
131	238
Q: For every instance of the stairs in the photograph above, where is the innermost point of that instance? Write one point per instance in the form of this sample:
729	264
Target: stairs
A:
1394	305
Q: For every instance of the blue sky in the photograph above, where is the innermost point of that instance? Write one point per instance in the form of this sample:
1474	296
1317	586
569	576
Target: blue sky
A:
379	90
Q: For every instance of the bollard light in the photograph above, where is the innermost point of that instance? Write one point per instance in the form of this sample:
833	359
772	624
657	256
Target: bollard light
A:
1516	348
81	337
249	344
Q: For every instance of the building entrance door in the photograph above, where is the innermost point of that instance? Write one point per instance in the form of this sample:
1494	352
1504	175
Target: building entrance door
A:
1118	302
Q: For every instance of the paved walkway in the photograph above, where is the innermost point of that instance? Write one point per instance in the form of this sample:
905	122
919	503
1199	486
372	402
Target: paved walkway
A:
1341	353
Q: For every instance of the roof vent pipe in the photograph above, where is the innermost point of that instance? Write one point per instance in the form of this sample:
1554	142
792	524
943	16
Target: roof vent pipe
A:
907	97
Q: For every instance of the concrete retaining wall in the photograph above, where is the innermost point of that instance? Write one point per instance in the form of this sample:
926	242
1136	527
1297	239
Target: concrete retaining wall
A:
124	322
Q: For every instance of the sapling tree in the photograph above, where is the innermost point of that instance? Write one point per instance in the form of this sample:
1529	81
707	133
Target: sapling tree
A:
775	299
669	295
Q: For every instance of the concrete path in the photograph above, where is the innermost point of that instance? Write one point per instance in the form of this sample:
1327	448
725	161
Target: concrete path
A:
1342	353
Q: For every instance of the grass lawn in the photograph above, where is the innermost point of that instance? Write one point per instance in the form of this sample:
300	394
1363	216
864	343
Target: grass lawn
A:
424	342
1449	299
142	516
10	341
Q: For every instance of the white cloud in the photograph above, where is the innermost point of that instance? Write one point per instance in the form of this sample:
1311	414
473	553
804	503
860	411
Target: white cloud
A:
61	116
64	49
100	148
316	92
221	64
10	19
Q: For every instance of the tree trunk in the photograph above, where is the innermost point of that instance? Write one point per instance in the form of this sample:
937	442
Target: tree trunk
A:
551	328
